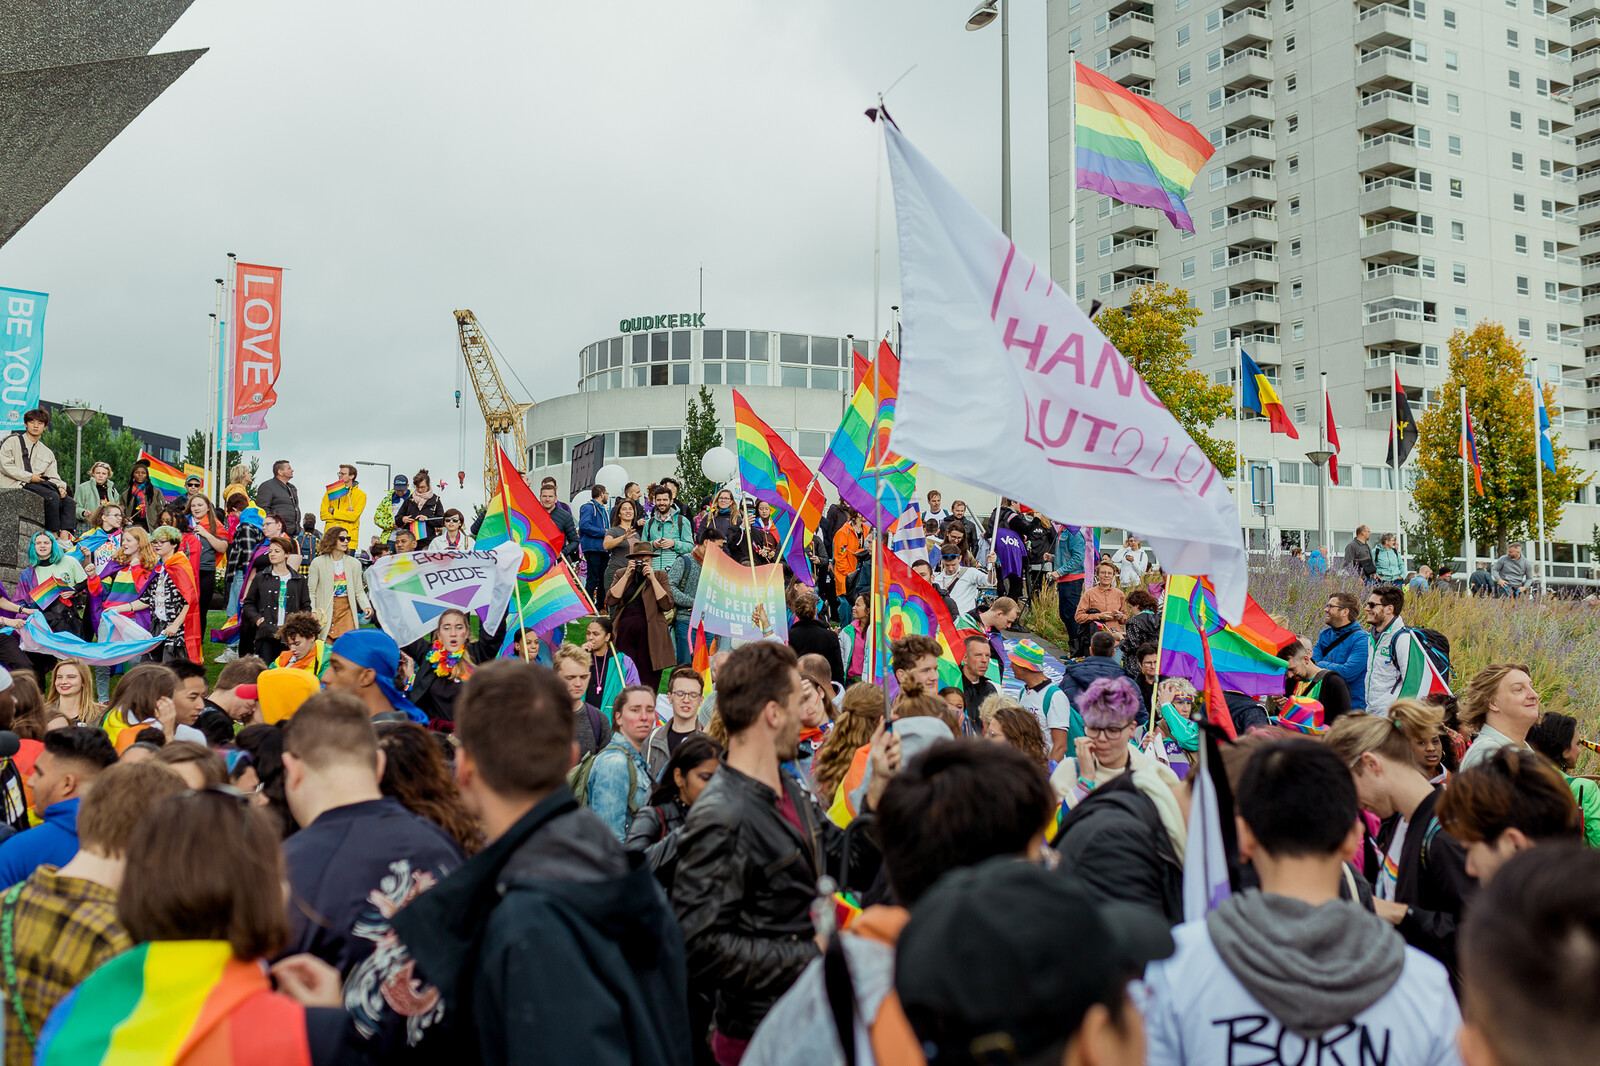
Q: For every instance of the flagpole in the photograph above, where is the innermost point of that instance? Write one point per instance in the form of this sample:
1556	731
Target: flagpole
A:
228	325
1323	489
1538	470
1072	174
874	602
1394	429
877	224
1466	498
213	386
1238	420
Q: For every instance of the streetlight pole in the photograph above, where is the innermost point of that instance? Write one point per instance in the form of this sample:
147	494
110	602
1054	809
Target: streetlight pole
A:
79	417
1320	459
981	16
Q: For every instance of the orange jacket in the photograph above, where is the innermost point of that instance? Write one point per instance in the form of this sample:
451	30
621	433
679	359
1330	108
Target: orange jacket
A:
846	543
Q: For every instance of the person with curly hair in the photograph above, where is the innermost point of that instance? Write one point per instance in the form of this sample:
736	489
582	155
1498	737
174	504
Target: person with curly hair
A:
303	650
1012	724
415	773
1110	711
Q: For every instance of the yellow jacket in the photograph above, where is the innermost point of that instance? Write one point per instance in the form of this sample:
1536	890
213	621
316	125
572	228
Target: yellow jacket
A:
346	513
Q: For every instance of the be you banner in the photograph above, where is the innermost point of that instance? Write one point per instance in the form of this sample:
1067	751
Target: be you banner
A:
410	591
23	354
729	593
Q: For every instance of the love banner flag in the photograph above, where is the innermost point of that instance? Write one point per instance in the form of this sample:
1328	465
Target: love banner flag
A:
411	590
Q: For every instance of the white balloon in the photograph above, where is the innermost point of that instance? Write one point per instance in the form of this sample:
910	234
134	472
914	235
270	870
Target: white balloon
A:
613	477
719	464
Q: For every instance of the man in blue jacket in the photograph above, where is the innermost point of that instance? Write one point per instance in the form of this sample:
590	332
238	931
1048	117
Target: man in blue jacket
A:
1077	677
593	520
62	772
1343	646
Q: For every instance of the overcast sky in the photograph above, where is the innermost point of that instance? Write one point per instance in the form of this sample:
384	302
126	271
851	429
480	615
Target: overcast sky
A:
554	168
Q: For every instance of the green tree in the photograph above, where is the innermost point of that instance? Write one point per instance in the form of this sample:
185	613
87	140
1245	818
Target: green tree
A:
194	449
700	435
1149	332
100	445
1427	547
1492	367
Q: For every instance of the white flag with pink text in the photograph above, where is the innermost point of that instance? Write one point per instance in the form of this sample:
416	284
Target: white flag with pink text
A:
1007	384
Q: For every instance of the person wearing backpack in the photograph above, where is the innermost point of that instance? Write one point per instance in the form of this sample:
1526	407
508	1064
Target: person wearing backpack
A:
28	463
614	782
1389	676
1344	647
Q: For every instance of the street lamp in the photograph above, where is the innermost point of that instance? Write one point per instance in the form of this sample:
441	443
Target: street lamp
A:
386	472
78	416
981	16
1320	458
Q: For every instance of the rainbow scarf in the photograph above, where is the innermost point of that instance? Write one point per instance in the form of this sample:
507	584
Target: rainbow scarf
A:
338	491
118	583
168	480
171	1001
315	661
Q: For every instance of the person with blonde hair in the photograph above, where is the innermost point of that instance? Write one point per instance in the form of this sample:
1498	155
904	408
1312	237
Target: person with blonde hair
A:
336	584
860	710
1498	708
71	695
94	493
1421	881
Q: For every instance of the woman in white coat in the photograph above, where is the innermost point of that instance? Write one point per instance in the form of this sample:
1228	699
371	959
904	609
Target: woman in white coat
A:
338	593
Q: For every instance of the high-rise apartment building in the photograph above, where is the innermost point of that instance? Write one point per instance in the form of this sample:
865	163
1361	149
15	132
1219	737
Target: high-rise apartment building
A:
1384	173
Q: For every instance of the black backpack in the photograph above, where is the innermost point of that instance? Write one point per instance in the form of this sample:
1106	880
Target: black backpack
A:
1437	646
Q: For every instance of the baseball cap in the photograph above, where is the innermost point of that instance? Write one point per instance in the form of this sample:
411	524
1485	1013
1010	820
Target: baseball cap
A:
193	479
400	481
987	964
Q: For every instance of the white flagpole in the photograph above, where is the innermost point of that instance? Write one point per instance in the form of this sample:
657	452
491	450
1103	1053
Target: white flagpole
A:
1466	498
877	230
1538	472
1323	489
228	332
1072	173
1238	415
1394	428
213	368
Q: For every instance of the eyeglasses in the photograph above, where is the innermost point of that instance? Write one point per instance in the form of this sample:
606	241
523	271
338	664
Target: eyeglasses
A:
1107	730
1371	604
684	695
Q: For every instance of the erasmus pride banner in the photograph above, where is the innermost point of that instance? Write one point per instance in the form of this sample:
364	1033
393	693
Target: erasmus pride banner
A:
24	351
411	590
729	595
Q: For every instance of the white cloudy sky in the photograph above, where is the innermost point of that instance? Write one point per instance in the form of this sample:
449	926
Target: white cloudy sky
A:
554	167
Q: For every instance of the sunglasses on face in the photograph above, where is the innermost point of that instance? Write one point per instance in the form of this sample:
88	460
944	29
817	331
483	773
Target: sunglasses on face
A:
342	540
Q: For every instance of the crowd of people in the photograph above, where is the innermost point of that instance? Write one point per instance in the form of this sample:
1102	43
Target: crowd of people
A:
578	846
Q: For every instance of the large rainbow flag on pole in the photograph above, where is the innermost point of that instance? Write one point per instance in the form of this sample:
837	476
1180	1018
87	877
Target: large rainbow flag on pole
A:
859	455
1134	150
1196	644
546	595
167	479
911	605
771	471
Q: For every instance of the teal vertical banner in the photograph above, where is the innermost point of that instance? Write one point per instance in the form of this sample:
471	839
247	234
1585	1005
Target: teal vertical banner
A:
23	354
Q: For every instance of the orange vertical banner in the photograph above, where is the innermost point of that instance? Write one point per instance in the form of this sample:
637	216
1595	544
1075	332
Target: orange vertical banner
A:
257	333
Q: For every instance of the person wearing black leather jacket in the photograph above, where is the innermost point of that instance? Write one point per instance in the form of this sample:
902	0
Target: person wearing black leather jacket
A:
754	846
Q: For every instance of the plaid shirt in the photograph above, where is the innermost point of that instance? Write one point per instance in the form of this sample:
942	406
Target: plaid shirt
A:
62	929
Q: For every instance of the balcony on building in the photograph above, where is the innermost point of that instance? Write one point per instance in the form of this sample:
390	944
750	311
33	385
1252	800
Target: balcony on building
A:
1247	27
1584	35
1131	66
1586	122
1129	220
1246	189
1133	254
1387	195
1392	238
1247	68
1252	267
1386	110
1585	63
1246	148
1587	151
1387	152
1131	25
1396	321
1255	225
1383	24
1385	66
1245	107
1116	288
1589	242
1381	279
1251	307
1261	344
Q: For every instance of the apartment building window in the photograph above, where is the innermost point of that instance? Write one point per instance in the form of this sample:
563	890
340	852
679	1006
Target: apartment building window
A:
1523	286
1188	268
1214	60
1219	340
1297	331
1524	327
1073	6
1183	36
1074	38
1080	255
1421	95
1453	143
1294	164
1552	332
1294	247
1214	100
1452	103
1544	127
1100	22
1300	368
1550	250
1449	19
1516	120
1219	299
1292	123
1514	79
1541	47
1546	168
1426	267
1290	83
1425	224
1520	241
1294	205
1419	51
1300	413
1516	161
1104	247
1425	180
1455	188
1296	289
1458	273
1541	86
1106	283
1461	317
1512	39
1452	61
1219	258
1519	202
1288	42
1547	208
1550	291
1419	10
1080	291
1184	111
1424	137
1183	74
1219	217
1181	4
1458	230
1214	20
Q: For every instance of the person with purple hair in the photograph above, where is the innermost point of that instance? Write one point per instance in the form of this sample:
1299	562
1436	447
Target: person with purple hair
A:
1110	711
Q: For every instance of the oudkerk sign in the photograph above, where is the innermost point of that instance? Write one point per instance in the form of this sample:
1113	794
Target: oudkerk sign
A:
685	320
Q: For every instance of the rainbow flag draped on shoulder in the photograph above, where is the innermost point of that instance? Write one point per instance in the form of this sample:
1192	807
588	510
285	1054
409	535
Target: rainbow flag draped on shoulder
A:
175	1000
1134	150
168	480
859	457
771	471
546	595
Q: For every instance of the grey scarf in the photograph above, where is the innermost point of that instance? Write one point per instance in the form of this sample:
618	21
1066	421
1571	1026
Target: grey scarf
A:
1312	967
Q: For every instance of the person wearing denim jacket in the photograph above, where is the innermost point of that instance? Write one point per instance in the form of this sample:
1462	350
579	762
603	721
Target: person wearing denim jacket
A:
1067	564
610	775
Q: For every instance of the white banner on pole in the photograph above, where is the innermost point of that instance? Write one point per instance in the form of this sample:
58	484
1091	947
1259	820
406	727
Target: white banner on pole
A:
411	590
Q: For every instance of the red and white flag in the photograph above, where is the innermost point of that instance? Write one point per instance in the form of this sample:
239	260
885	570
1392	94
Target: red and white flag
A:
1333	442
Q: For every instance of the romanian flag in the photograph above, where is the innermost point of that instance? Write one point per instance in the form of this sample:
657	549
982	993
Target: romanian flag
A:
1197	645
911	605
171	1001
1134	150
1258	395
337	491
1467	448
1302	714
771	471
859	461
167	479
1333	441
47	591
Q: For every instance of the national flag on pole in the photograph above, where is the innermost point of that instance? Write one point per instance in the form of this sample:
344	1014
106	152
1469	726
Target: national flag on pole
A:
907	539
771	471
1333	442
1547	451
1079	435
858	459
1467	447
1259	396
1132	149
1404	420
167	479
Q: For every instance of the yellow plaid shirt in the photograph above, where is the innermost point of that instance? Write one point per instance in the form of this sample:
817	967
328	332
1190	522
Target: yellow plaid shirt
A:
62	929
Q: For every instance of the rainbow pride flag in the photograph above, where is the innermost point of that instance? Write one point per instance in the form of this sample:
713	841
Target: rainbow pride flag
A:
118	583
167	479
771	471
229	630
1199	646
911	605
175	1001
88	544
1134	150
858	459
47	591
546	596
337	491
545	603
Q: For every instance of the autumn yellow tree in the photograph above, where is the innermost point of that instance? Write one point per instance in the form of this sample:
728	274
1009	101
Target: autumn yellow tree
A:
1492	366
1149	332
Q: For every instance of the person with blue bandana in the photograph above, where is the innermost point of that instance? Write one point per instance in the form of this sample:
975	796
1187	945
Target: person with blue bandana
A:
364	663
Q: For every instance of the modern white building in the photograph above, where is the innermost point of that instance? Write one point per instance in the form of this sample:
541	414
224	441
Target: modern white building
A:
1384	174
